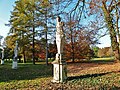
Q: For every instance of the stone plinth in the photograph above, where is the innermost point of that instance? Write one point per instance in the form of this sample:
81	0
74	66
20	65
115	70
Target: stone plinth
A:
2	62
14	65
59	72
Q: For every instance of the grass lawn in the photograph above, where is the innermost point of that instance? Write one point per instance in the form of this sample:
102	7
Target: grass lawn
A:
104	75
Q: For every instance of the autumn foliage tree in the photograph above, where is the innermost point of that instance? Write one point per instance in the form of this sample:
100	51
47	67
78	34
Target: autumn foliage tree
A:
52	50
40	49
82	41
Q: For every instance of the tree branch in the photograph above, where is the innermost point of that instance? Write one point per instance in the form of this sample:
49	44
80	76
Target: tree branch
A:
78	5
113	6
111	3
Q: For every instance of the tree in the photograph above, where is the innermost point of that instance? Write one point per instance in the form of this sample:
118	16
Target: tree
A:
71	27
40	48
106	9
52	49
110	25
95	49
46	8
26	18
82	40
10	40
19	21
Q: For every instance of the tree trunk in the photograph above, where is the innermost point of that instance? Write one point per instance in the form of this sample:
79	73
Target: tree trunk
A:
46	30
46	49
72	44
113	35
33	46
117	26
73	59
19	59
24	60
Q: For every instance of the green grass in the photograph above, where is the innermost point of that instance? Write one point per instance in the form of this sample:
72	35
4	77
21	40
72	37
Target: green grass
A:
26	76
105	59
24	72
102	60
98	82
39	76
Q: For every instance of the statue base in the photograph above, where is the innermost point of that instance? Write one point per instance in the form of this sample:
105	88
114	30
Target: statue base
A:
60	72
14	65
2	62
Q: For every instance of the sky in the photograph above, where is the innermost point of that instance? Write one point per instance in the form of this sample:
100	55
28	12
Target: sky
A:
105	42
7	5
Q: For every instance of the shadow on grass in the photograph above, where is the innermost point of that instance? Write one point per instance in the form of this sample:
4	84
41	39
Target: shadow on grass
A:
89	75
24	72
100	61
93	61
86	76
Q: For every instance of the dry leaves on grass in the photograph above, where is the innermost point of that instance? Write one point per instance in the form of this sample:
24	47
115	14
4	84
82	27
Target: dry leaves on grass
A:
92	68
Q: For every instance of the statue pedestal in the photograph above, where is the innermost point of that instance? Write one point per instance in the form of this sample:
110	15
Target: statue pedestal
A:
60	72
2	62
14	65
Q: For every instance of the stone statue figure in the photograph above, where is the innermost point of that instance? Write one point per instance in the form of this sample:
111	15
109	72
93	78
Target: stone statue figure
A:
59	38
2	61
16	51
3	54
14	64
60	67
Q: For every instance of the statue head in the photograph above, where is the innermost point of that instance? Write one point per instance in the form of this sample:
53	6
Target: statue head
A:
16	42
58	18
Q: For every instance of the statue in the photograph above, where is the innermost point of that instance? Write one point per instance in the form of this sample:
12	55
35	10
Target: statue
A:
2	61
16	51
3	54
1	47
14	65
59	65
60	37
